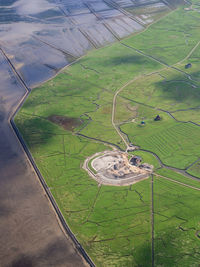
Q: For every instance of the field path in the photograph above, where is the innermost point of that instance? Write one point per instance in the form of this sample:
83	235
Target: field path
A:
114	109
138	77
114	105
190	53
177	182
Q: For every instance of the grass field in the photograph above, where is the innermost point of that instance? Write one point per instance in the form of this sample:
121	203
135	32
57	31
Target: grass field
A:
176	224
155	222
195	169
170	140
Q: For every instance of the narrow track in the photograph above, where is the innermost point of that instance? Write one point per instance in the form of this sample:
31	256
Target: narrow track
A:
177	182
114	109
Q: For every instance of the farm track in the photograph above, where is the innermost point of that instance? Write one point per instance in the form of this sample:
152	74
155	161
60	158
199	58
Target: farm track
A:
163	110
181	171
120	133
164	63
114	109
99	140
131	81
177	182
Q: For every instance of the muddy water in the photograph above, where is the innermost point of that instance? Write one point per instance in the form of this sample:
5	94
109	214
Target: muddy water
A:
39	37
42	36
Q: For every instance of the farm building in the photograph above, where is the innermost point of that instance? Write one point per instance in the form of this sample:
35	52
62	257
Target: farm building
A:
157	118
188	66
135	160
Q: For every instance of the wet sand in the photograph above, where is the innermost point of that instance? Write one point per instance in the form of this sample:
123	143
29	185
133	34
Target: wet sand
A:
42	36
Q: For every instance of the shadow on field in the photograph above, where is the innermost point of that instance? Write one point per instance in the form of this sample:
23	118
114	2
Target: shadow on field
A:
174	248
169	250
41	130
179	89
105	62
128	59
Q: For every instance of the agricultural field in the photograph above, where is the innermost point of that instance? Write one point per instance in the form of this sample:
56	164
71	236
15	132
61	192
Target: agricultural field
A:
195	169
176	223
98	104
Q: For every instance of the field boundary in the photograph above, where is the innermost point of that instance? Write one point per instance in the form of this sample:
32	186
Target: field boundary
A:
67	231
177	182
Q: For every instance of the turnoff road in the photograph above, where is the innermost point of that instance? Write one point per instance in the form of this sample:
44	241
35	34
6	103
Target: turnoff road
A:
114	110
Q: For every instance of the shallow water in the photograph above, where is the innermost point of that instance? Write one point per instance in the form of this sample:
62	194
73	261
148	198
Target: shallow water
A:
42	36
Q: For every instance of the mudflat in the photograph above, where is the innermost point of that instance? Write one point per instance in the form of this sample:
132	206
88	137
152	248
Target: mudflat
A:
30	232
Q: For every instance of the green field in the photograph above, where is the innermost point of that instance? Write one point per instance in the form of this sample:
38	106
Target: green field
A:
176	220
155	222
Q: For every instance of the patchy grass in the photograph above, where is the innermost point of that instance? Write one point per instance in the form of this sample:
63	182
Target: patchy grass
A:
176	211
171	36
195	169
172	141
177	177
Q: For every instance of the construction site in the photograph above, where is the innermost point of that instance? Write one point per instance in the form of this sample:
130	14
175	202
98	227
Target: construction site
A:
117	168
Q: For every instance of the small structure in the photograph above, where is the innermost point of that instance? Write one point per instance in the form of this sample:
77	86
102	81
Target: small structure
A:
188	66
142	122
115	168
157	118
135	160
146	166
131	147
